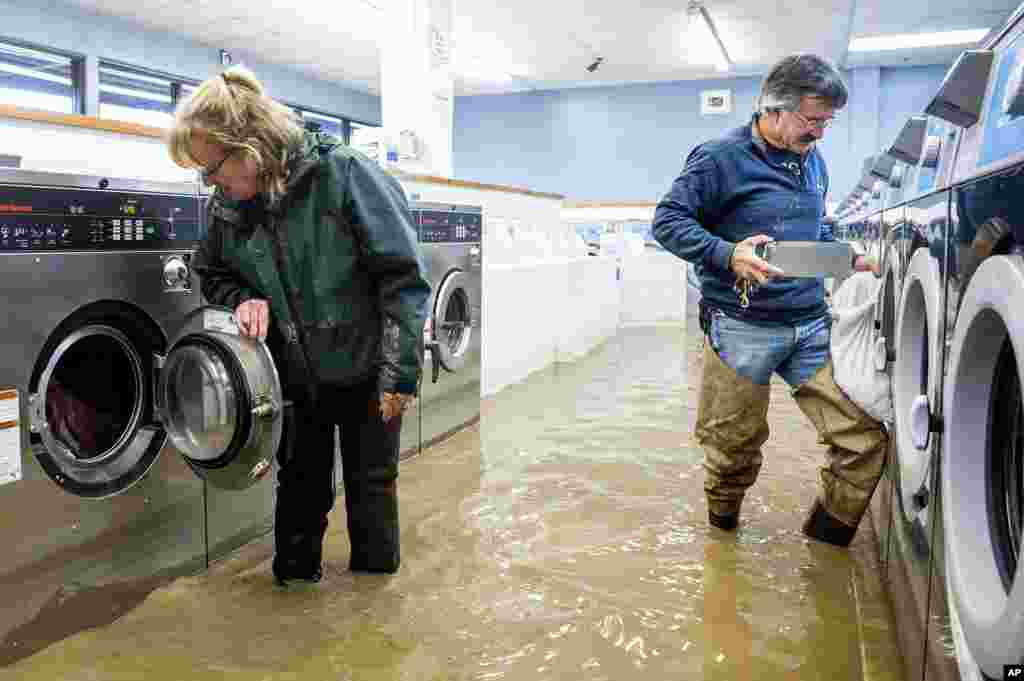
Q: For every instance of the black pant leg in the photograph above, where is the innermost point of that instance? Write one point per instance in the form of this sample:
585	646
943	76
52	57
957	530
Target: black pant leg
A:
305	490
369	455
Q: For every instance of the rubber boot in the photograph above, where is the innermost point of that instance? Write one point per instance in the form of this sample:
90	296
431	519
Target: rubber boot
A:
732	425
856	453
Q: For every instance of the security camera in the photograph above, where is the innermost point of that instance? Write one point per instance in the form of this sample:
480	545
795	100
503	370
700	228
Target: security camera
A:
597	62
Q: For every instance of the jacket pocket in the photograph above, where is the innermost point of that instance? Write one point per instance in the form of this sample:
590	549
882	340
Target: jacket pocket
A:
341	352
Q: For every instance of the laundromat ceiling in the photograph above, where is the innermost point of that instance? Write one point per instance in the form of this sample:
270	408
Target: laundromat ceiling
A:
539	44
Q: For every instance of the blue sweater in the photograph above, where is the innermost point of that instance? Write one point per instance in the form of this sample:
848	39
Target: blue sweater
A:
733	188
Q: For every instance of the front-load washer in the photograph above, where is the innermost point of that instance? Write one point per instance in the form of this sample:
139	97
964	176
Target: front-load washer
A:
982	466
127	411
976	606
450	243
916	386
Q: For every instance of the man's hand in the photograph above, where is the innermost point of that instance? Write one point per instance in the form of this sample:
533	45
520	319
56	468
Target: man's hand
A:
253	318
865	263
746	265
393	404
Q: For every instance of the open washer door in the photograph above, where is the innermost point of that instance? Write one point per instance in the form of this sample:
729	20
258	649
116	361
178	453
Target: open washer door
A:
220	400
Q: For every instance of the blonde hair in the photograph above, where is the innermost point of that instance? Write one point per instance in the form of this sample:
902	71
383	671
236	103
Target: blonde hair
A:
231	110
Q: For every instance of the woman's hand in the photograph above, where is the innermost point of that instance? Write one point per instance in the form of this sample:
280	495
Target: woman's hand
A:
253	318
393	404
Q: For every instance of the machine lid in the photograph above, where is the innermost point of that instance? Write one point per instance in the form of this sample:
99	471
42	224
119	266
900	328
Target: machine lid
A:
220	400
452	322
907	147
962	92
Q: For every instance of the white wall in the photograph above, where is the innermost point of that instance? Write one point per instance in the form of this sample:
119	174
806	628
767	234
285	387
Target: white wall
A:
68	149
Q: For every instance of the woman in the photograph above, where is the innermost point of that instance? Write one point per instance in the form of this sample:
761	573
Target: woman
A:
313	247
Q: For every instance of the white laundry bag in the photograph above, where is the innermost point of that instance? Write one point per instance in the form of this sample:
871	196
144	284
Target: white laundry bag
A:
854	346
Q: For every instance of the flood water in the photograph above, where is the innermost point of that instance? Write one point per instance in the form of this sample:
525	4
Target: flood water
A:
563	537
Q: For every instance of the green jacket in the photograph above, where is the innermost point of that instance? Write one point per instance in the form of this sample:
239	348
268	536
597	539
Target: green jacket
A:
337	259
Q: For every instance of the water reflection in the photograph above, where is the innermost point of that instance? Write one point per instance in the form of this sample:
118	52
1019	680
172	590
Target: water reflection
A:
564	537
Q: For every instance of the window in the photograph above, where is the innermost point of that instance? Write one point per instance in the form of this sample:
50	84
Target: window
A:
37	79
140	96
329	124
365	139
135	96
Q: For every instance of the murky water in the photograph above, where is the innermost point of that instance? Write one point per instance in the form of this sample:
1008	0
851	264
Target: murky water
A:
564	537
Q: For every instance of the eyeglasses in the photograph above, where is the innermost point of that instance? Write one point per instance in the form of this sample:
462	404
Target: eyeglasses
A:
207	174
819	123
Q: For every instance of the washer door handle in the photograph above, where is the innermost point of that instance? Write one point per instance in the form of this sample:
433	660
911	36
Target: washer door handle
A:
920	422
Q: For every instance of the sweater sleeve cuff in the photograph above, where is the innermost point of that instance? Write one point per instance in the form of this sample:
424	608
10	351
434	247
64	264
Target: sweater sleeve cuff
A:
721	254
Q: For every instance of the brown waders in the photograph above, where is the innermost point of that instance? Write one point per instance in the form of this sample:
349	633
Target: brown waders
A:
732	426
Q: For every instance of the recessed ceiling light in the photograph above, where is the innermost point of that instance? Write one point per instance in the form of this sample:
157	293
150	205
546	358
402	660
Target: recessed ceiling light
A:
904	41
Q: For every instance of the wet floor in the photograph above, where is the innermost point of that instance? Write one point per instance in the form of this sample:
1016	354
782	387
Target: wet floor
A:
563	537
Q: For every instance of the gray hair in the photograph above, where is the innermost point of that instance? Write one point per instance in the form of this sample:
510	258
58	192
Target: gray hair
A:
799	76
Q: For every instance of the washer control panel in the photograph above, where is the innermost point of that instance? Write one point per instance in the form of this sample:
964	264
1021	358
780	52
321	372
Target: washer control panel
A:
447	223
41	218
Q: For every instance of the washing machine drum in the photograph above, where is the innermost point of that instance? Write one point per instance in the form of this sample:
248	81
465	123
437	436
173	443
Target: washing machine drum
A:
451	322
885	309
220	400
983	465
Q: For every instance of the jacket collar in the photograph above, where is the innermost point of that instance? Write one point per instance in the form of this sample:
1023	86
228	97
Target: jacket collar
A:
303	160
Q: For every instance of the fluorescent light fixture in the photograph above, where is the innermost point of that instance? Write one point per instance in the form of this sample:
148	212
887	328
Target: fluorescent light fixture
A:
906	41
702	40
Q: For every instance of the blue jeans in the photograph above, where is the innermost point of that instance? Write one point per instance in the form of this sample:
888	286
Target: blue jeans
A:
794	352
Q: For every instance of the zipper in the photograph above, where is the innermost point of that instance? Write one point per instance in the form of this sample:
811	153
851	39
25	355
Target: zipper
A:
294	331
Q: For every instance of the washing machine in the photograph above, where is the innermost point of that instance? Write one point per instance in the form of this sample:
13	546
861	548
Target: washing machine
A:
982	466
451	245
136	427
955	512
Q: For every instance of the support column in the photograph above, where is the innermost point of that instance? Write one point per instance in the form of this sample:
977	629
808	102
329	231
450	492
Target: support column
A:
866	107
91	85
417	88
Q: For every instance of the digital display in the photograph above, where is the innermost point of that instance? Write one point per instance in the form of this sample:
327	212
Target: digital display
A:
448	226
58	219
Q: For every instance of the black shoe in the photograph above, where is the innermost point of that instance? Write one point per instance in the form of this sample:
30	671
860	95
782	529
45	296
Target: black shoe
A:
823	526
285	571
724	522
283	579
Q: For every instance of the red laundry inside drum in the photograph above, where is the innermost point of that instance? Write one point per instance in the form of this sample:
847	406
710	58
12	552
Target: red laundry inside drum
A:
81	426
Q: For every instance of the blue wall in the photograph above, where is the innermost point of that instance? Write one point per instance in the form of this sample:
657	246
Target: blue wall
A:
104	37
629	143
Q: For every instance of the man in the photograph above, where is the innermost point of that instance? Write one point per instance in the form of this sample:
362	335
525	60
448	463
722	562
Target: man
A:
761	182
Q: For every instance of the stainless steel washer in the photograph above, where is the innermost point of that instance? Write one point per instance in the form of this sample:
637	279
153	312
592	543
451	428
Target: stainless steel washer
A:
451	245
106	357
